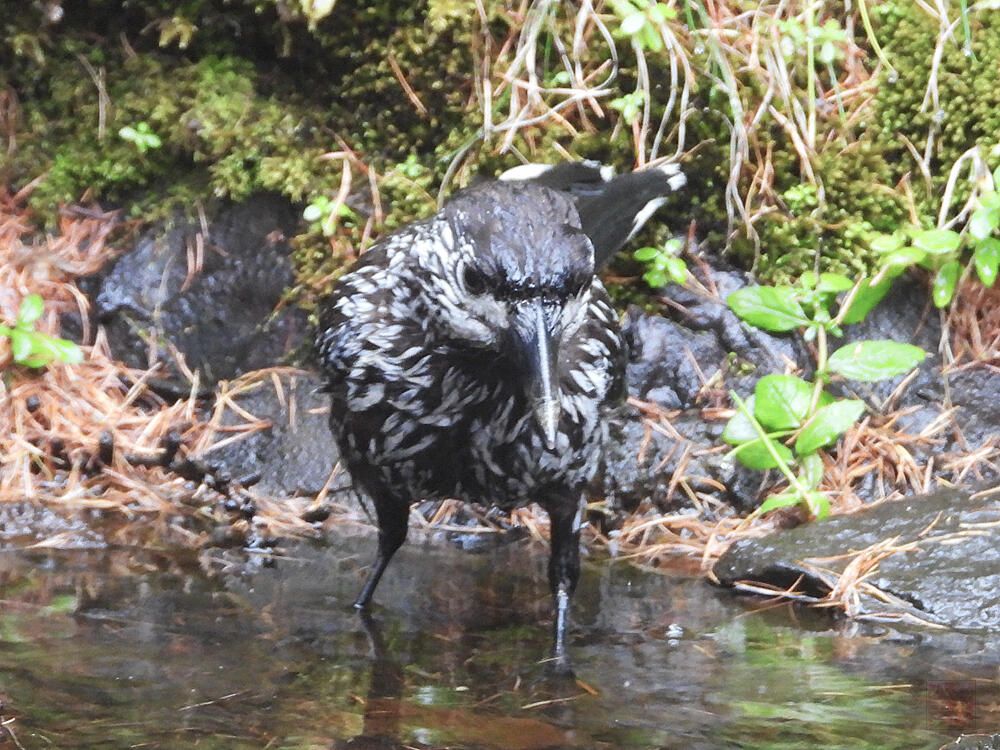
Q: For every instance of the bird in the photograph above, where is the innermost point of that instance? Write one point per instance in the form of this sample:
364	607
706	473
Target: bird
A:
475	354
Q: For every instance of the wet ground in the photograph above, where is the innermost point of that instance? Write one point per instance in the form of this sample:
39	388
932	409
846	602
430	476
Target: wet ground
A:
130	649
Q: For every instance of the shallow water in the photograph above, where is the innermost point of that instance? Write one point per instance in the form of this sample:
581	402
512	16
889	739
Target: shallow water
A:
125	649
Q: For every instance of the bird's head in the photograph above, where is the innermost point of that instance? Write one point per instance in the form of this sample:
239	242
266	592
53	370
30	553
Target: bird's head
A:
519	275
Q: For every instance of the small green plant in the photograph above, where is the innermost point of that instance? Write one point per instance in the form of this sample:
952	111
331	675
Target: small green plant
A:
325	214
630	106
788	419
640	19
942	251
142	136
31	348
662	265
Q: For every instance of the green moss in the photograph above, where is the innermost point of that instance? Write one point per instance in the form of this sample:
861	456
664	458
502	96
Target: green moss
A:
967	112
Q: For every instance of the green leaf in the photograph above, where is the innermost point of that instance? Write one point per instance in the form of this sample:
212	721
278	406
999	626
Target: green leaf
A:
312	212
827	424
651	38
21	344
905	257
943	288
31	310
871	361
676	269
984	222
738	428
827	53
819	504
633	23
655	279
645	253
990	199
887	243
768	307
780	500
812	470
64	350
834	282
755	455
782	401
937	241
987	259
865	300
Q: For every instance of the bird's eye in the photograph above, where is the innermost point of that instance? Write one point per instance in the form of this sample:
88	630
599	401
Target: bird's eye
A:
475	280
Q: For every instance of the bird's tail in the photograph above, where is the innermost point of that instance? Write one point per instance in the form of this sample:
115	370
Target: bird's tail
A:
612	207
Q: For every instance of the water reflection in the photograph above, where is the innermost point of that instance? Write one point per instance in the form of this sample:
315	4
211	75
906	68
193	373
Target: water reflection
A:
125	649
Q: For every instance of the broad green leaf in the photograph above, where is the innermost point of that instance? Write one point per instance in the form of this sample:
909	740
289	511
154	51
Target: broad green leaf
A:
937	241
738	428
865	300
31	310
312	212
768	307
943	288
780	500
983	222
782	401
755	455
812	470
21	344
645	253
871	361
828	424
887	243
676	269
834	282
987	258
905	257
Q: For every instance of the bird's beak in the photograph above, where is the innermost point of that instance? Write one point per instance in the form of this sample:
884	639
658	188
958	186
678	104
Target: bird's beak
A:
535	332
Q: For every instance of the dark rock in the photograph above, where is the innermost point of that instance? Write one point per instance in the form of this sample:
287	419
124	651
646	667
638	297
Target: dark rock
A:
295	453
641	460
950	577
222	317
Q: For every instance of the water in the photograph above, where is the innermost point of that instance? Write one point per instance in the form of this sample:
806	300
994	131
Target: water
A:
127	649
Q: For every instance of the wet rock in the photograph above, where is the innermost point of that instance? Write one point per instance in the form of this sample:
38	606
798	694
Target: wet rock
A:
211	294
974	742
948	572
295	452
671	357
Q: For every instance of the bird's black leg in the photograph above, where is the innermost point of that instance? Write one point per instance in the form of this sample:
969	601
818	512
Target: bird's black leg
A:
392	525
564	570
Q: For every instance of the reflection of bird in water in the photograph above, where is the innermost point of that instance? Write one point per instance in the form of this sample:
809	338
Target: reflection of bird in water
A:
383	707
474	354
